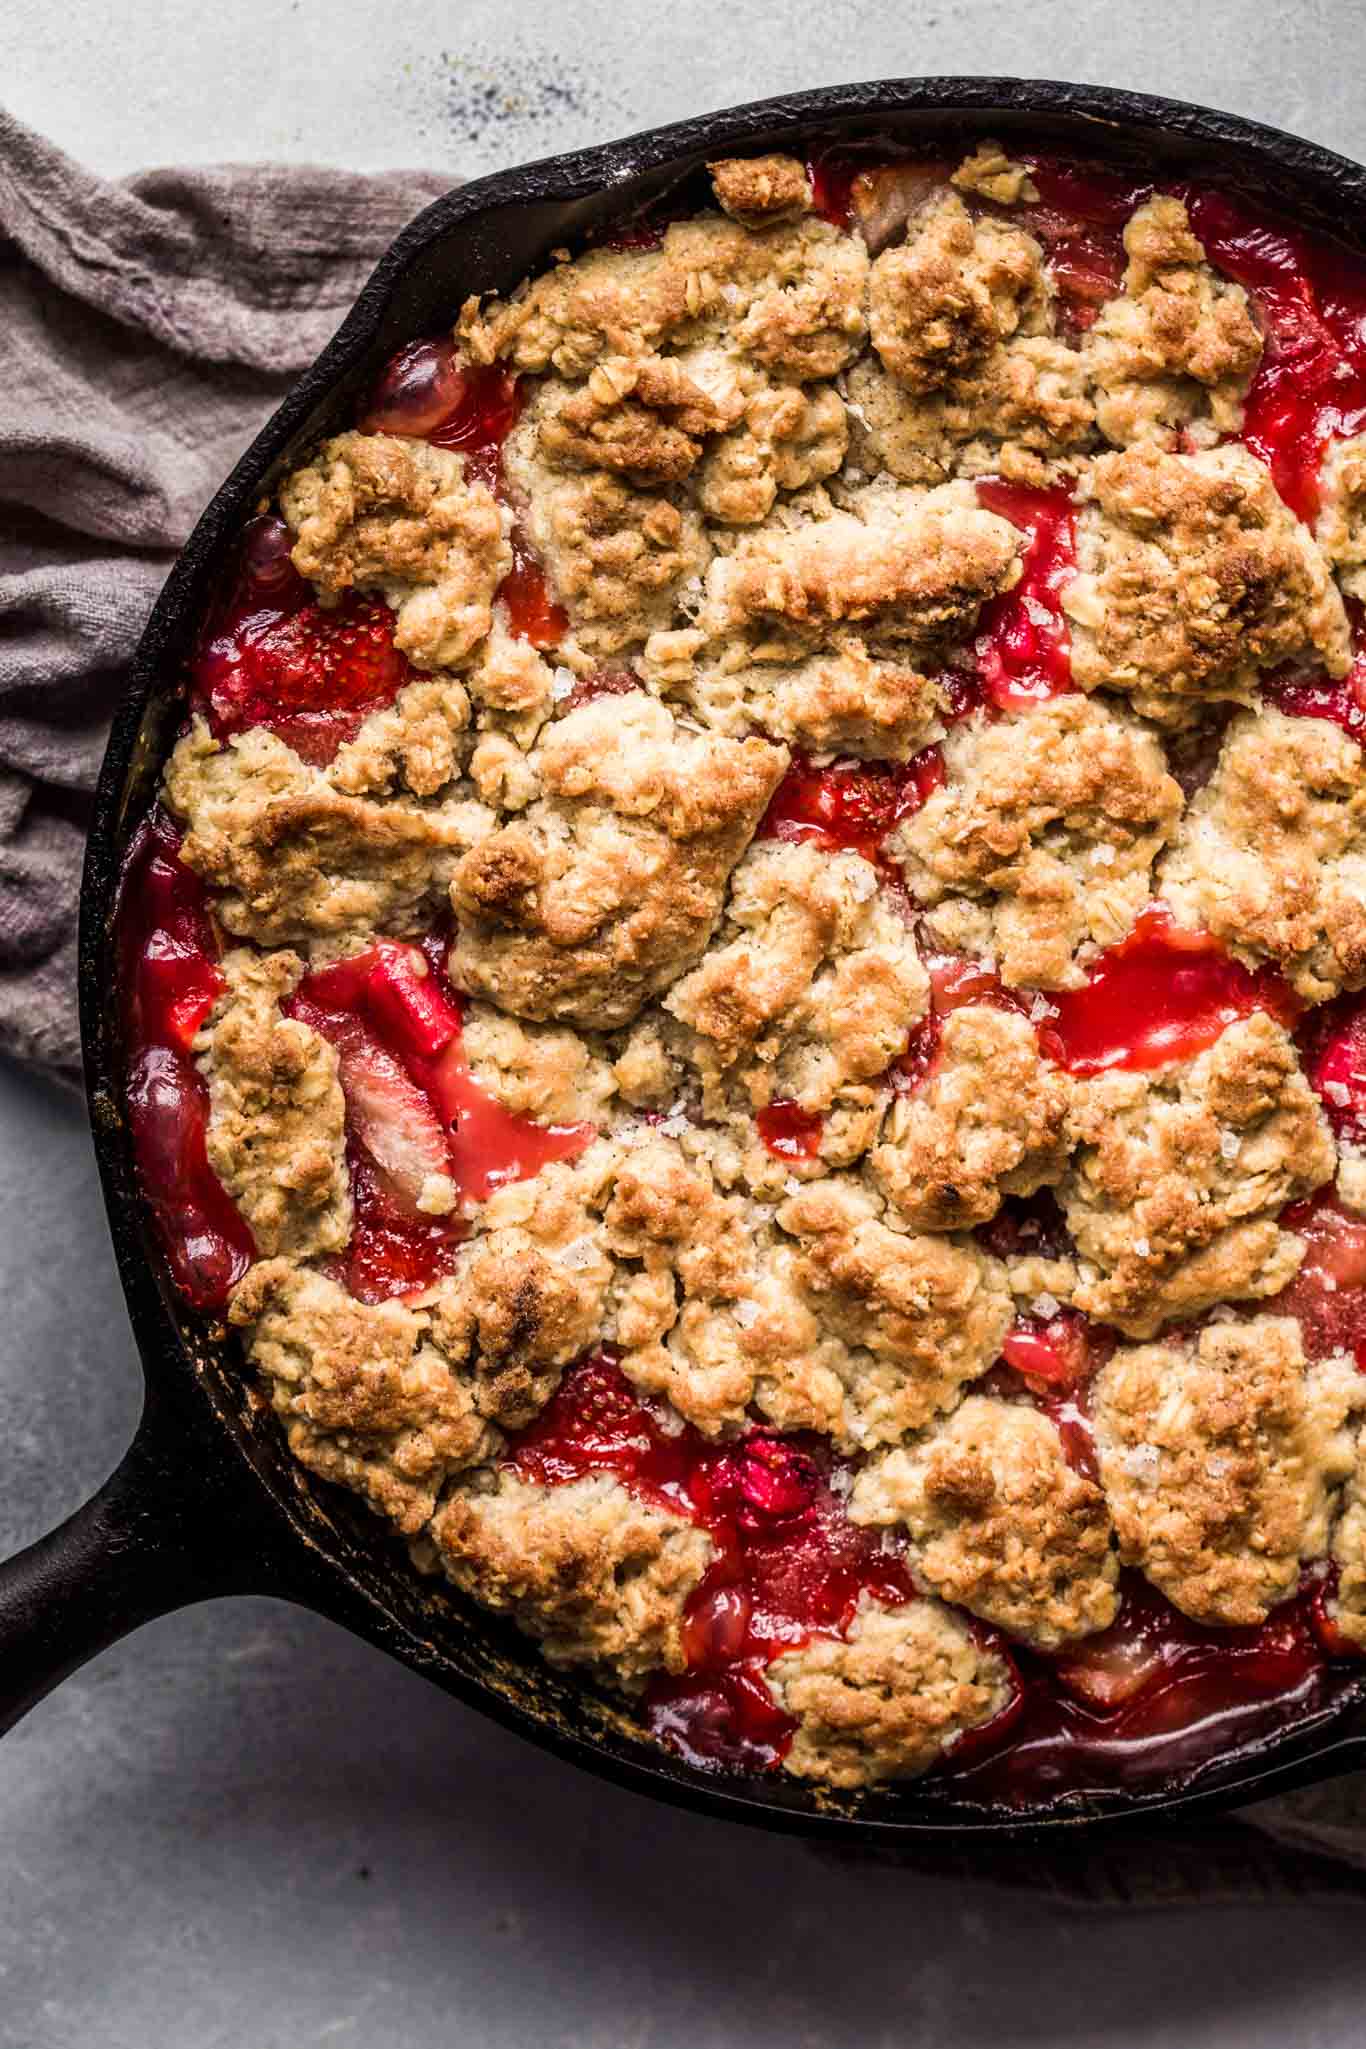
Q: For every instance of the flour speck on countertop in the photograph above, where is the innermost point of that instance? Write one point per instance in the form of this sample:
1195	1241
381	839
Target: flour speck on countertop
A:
484	107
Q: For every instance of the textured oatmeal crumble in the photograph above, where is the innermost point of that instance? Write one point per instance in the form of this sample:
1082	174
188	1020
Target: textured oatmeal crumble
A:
1007	855
845	1200
998	1522
1167	1219
1241	1448
890	1698
1195	578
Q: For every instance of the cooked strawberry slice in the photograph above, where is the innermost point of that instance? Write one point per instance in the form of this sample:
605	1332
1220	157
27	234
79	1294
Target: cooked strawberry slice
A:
716	1625
405	1003
1338	1070
1113	1667
385	1109
1062	1350
310	675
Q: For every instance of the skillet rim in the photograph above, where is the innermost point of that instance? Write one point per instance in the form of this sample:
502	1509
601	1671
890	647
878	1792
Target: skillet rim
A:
293	1527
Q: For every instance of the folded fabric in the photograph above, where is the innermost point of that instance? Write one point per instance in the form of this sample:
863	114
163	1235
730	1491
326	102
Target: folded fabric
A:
153	324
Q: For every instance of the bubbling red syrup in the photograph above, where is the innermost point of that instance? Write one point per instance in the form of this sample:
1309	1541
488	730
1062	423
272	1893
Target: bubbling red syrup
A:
851	805
788	1562
168	958
1023	646
414	1113
272	657
1162	994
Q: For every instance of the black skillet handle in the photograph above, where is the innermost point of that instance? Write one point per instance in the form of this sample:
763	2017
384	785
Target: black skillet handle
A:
153	1539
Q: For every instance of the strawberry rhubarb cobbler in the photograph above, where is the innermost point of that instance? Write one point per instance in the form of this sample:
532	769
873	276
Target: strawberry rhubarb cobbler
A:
744	983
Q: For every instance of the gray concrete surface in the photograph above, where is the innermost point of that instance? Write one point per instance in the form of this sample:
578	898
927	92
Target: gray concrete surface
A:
241	1827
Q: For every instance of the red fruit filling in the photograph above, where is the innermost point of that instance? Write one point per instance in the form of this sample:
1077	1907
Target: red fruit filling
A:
789	1564
414	1112
1023	646
1053	1359
789	1131
420	390
1079	217
170	977
1155	1693
1333	1054
1328	1293
1162	994
852	804
1058	1351
601	683
1310	299
832	187
1339	698
273	658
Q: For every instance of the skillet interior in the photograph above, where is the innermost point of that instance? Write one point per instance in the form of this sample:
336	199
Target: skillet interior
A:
277	1529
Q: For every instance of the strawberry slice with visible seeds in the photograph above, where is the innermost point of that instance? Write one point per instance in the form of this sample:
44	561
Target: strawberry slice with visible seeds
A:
311	675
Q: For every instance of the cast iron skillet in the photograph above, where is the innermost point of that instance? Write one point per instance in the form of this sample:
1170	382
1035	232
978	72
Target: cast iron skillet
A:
207	1501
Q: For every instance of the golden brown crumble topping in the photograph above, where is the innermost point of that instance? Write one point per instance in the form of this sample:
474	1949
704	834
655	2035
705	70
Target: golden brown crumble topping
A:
297	861
609	884
277	1119
1179	1175
365	1398
1216	1459
1195	577
989	1121
760	189
998	1522
889	1699
377	510
744	458
1175	351
913	569
1271	854
1341	529
1043	838
598	1575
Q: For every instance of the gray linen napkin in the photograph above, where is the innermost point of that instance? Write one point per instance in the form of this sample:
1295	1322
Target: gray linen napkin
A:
151	325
